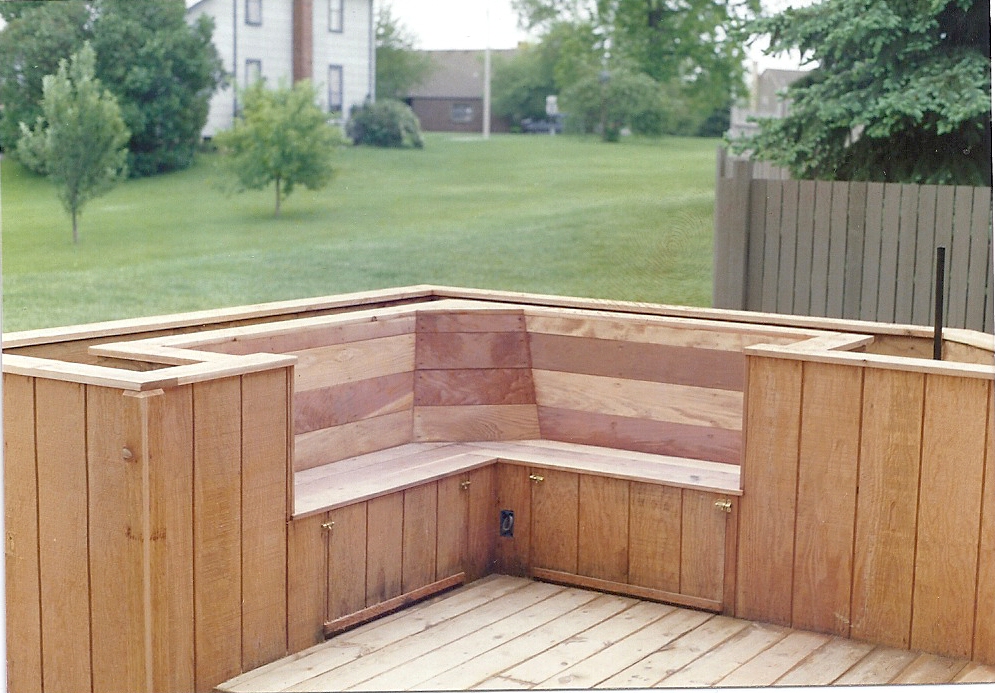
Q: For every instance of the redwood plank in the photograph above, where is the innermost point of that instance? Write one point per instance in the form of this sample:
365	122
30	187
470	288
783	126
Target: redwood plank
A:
471	350
307	582
554	520
827	490
884	535
641	435
770	472
514	493
655	536
703	545
419	536
171	425
482	422
984	626
265	458
345	363
451	526
682	365
24	668
349	440
117	463
60	415
350	402
482	522
384	522
473	386
485	320
345	531
603	528
217	531
954	424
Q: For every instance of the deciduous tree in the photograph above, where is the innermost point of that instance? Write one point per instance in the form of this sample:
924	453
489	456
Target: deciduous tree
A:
400	67
282	138
79	139
901	92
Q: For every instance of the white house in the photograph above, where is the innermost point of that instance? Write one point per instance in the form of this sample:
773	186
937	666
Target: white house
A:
330	42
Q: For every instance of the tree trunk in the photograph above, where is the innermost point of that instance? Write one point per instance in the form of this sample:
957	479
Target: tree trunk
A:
75	227
277	197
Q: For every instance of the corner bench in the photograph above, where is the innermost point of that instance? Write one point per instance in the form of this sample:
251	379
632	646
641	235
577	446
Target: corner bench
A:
406	522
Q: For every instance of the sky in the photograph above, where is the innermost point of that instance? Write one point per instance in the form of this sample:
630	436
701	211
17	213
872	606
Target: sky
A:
463	24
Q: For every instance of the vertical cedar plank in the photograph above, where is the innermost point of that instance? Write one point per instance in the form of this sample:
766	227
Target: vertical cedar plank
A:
803	252
515	494
217	531
870	282
419	537
837	249
655	536
451	524
116	467
21	524
772	246
482	523
60	415
603	526
703	545
885	529
307	582
827	490
265	411
788	242
949	507
384	522
855	238
769	477
346	577
888	274
170	448
554	520
984	624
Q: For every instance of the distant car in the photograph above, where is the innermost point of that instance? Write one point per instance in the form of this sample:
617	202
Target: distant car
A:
553	124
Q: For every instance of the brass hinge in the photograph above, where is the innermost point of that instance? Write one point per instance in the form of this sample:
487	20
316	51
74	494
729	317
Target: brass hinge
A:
725	504
536	478
327	526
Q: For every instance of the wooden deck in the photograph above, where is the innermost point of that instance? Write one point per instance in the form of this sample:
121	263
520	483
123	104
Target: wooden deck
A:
512	633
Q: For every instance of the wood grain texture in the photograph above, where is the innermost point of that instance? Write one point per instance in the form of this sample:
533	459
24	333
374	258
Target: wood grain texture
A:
984	626
684	404
347	542
451	531
869	285
885	528
554	520
482	422
655	536
514	492
641	435
681	365
60	415
482	522
322	332
170	445
349	440
483	320
384	522
342	404
307	582
117	469
217	531
419	537
473	386
24	647
435	351
603	528
770	472
827	493
703	545
954	424
265	459
345	363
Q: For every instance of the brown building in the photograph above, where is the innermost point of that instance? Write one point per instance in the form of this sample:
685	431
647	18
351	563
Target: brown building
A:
452	98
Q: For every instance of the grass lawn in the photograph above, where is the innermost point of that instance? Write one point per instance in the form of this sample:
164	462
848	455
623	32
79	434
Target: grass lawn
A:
557	215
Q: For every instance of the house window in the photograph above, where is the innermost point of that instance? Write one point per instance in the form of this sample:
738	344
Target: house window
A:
254	12
461	113
253	72
335	11
334	88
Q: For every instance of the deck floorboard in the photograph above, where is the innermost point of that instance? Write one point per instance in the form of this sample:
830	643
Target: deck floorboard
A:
504	633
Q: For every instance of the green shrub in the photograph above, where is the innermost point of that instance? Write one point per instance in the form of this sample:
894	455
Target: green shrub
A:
384	123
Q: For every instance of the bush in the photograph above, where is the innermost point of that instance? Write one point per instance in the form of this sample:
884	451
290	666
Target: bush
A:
385	123
612	103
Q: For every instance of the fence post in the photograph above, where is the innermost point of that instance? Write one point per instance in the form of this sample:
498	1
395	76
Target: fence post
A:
731	240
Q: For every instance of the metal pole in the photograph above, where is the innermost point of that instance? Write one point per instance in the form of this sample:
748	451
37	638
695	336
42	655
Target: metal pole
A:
941	256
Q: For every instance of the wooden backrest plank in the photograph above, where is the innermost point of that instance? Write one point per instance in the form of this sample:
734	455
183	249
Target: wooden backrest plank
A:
265	411
827	459
217	528
60	415
326	445
344	363
24	646
954	425
482	422
473	386
336	405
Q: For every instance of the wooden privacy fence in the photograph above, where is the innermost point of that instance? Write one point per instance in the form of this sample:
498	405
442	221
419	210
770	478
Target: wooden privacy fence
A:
851	249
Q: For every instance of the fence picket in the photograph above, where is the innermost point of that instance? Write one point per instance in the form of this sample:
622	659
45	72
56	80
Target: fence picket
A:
928	236
855	236
872	252
803	249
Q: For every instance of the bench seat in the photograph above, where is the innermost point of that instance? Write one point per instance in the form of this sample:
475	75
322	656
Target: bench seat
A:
363	477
